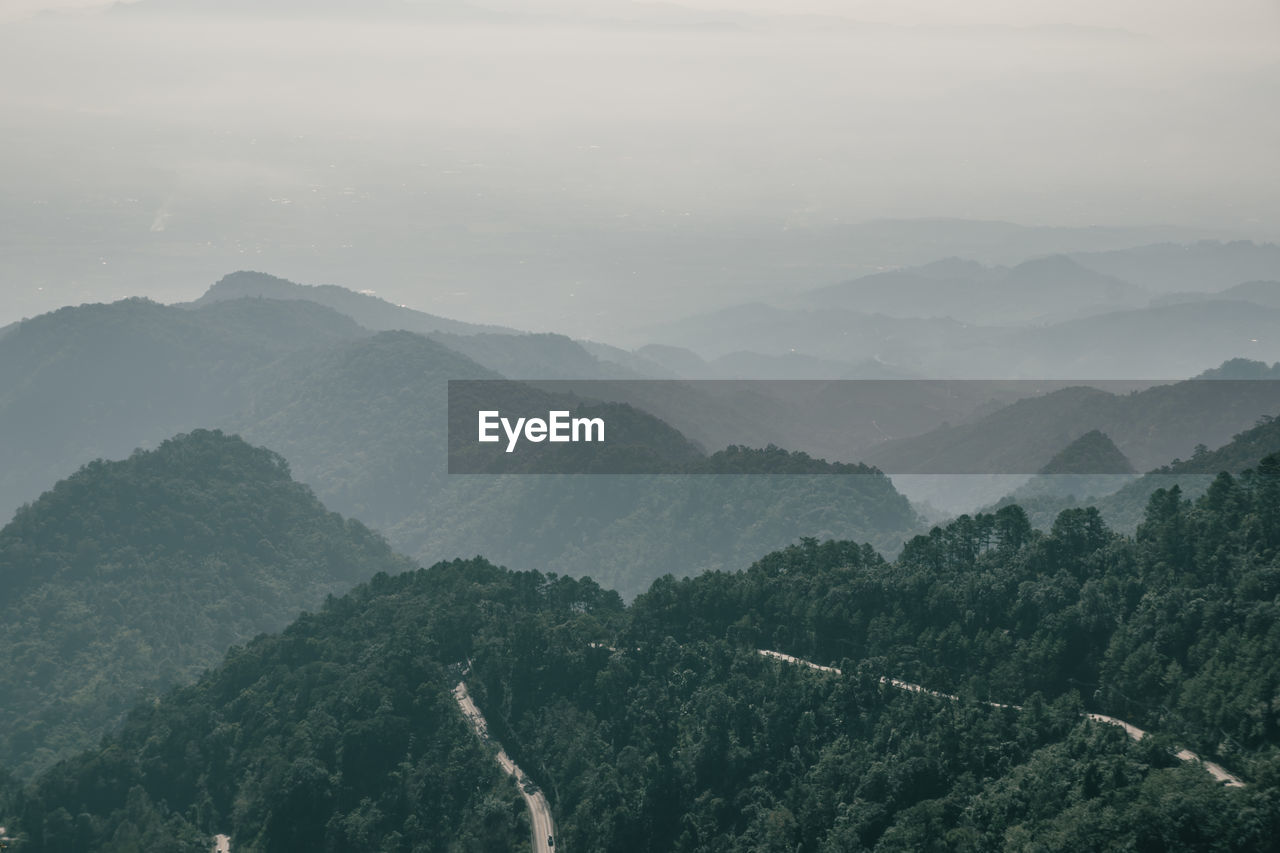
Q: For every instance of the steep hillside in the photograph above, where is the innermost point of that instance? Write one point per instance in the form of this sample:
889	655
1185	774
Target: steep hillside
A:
1092	453
366	425
362	419
101	380
1122	500
661	726
132	576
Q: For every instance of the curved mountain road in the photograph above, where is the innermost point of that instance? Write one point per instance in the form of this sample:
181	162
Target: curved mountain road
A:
544	829
1216	770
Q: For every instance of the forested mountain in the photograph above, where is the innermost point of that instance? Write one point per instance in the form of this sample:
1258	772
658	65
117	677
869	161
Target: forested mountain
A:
1149	426
660	726
1123	503
627	530
1087	468
132	576
1092	453
1243	368
362	419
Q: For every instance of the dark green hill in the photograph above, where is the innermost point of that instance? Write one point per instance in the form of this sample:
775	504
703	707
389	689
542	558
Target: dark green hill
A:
662	727
132	576
1123	503
1092	453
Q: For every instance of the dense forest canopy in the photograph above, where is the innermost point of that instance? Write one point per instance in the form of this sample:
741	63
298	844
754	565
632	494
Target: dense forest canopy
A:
660	727
130	577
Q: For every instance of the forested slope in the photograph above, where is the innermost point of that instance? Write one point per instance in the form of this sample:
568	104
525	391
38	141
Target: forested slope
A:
1123	503
362	419
660	727
132	576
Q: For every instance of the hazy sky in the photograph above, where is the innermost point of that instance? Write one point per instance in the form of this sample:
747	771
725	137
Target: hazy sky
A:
603	161
1239	18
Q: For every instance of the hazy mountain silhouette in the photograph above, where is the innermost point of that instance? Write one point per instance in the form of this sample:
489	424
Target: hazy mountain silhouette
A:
1207	265
965	290
366	309
1149	427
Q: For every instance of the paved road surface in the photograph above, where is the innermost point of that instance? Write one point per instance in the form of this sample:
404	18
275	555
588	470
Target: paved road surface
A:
539	811
1217	770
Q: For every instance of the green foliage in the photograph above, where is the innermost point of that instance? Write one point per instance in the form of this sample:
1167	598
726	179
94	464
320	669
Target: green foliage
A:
1123	502
129	577
660	727
338	734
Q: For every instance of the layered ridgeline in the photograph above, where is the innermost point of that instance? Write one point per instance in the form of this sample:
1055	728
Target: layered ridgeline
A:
1149	427
1122	499
130	577
1089	466
365	308
509	352
362	418
1164	310
661	727
98	381
366	424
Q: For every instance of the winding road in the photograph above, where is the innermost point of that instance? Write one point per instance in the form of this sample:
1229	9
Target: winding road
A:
544	829
1216	770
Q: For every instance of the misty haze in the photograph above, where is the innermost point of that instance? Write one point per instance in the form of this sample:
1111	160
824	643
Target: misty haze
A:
929	356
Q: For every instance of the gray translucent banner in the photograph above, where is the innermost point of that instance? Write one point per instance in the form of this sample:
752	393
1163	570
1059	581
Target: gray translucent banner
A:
1007	427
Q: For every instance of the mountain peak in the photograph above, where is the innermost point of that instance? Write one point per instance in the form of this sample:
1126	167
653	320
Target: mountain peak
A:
1092	453
370	311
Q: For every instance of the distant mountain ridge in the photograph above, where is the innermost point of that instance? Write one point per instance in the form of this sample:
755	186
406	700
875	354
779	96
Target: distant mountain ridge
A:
1124	503
1034	290
368	310
362	418
1202	266
1167	341
1149	427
